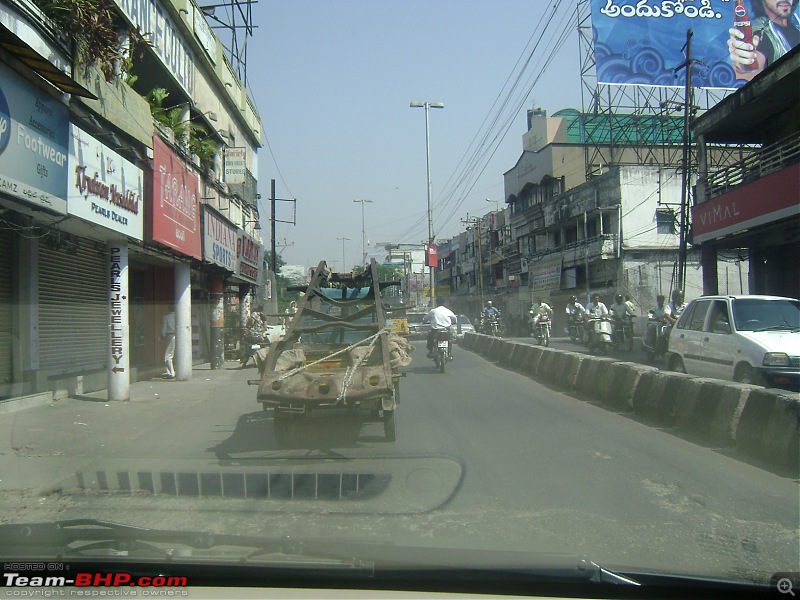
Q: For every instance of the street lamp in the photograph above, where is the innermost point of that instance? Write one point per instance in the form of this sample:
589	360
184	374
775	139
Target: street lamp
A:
363	231
344	239
496	204
427	106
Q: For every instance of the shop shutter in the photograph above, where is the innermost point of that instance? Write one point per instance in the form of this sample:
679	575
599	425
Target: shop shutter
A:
73	308
5	307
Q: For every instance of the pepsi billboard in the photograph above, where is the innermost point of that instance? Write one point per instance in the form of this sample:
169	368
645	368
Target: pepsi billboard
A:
642	41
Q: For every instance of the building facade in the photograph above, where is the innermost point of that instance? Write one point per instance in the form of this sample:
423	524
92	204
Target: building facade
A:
126	186
750	208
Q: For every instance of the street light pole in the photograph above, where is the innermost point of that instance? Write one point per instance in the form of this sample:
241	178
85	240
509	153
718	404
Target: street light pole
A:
427	106
363	231
344	239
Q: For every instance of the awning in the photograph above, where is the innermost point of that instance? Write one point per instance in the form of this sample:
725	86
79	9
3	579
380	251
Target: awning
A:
40	65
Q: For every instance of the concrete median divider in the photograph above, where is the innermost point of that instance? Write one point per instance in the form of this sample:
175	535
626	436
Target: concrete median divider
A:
618	382
769	427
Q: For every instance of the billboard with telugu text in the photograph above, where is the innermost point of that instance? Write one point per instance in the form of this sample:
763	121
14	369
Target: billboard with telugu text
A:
642	41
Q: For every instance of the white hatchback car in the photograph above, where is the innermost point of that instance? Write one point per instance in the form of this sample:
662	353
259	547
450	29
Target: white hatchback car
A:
750	339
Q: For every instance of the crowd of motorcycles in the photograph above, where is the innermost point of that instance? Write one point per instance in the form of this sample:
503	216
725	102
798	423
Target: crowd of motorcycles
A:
600	334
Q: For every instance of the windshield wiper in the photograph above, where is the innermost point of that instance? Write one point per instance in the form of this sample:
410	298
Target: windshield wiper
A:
778	328
85	537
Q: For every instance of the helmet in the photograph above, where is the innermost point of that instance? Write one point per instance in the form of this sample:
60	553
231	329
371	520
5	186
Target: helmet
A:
488	303
618	298
677	296
573	299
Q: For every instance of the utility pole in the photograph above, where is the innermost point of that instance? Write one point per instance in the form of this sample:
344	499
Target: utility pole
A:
688	108
363	232
476	222
273	259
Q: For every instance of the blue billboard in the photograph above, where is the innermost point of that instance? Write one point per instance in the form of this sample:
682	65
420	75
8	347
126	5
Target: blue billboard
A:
642	41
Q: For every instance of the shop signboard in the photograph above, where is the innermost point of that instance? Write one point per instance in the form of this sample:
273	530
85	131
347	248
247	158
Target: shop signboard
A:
34	144
642	41
175	213
235	165
248	257
104	188
220	242
545	274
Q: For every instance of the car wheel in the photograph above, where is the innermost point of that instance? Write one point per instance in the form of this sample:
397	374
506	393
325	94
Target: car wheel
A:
676	365
746	374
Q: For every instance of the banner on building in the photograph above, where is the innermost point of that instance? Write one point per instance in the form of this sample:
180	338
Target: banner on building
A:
235	165
642	41
248	258
175	213
34	144
545	274
104	188
220	241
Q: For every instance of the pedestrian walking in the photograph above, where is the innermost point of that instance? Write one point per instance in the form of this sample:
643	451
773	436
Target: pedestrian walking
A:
168	338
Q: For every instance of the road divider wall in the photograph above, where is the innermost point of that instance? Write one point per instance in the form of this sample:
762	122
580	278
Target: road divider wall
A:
763	423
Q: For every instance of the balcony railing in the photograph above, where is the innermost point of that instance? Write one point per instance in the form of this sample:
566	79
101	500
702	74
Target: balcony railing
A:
756	165
601	246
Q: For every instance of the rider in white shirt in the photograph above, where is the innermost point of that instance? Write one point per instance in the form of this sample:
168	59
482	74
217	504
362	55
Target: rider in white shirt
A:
595	308
440	318
540	309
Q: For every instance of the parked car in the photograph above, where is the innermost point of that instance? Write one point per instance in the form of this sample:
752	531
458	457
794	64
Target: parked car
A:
750	339
464	326
416	328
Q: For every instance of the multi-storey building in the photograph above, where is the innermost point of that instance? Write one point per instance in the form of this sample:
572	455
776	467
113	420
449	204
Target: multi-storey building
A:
128	183
751	208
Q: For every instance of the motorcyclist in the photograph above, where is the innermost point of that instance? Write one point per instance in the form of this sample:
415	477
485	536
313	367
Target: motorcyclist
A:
575	311
676	306
440	318
489	312
661	314
594	310
620	309
539	310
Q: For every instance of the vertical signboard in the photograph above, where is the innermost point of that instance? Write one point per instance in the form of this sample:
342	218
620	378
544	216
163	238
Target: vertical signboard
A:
641	41
175	214
104	188
34	139
235	165
248	258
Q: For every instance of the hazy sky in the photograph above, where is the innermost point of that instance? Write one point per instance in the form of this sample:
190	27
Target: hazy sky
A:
333	80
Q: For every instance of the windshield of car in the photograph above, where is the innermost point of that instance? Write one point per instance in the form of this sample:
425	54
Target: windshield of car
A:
760	314
174	172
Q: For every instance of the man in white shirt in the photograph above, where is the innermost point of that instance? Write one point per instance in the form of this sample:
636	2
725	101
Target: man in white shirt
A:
595	308
440	318
168	337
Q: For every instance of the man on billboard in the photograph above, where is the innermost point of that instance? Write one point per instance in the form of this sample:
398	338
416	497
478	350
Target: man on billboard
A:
775	30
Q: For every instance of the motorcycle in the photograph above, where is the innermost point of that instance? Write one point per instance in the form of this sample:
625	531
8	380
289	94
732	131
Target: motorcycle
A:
623	333
575	327
251	346
541	330
656	339
443	349
599	334
491	326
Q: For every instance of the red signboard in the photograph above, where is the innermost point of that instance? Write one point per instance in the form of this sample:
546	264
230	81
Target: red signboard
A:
763	201
175	212
433	255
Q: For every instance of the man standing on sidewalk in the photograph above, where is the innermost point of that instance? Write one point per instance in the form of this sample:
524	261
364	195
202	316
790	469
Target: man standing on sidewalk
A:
168	337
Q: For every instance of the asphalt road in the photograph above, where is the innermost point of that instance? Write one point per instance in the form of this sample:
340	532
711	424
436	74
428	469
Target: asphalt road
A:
483	456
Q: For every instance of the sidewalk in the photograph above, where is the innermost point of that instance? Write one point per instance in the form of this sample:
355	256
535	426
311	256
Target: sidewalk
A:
142	388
